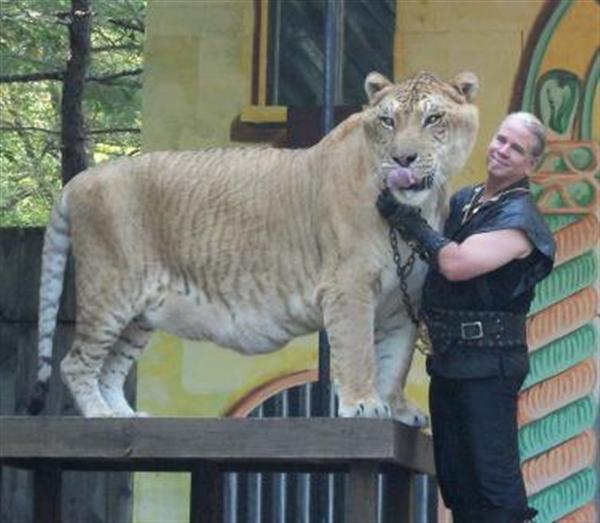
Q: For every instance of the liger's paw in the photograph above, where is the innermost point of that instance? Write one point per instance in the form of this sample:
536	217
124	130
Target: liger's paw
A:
412	416
99	412
129	413
373	408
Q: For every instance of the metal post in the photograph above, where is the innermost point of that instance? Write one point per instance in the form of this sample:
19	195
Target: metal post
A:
332	89
332	71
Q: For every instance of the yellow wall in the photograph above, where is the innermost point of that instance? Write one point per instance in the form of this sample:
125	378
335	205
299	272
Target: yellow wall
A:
198	58
199	53
486	37
197	65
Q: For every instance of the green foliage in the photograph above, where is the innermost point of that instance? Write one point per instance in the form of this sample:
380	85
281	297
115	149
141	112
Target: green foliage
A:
34	40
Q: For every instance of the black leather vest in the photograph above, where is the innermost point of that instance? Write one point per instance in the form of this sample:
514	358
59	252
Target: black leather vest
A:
509	288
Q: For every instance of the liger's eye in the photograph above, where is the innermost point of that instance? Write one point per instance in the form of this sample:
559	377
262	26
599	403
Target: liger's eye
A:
432	119
387	121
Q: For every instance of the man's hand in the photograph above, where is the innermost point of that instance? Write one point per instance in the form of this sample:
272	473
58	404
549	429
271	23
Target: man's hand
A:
395	212
413	228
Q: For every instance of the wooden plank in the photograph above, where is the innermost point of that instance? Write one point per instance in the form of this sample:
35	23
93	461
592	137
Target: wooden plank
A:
47	494
16	494
414	451
361	493
86	497
360	446
229	440
206	495
20	255
178	465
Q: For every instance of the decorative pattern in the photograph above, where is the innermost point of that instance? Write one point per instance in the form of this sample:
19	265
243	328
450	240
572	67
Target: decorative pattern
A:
561	462
569	178
558	406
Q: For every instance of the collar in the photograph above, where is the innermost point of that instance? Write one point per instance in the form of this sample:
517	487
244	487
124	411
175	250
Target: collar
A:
472	207
520	184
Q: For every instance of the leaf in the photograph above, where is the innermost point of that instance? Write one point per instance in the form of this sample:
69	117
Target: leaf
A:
33	39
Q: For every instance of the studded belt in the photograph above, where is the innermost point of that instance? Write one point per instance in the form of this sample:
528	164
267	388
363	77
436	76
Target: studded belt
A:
477	328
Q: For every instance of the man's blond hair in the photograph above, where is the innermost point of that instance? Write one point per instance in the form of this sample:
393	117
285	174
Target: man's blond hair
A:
536	128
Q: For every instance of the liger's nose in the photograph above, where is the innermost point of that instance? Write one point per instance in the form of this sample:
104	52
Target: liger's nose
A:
405	160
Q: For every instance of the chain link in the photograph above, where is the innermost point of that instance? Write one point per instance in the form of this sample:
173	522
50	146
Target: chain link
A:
403	271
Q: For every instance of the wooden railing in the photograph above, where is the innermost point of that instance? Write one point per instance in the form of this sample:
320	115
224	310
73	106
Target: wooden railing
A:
205	447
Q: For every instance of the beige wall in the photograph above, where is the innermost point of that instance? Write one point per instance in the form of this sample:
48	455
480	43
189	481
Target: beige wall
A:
486	37
198	62
197	69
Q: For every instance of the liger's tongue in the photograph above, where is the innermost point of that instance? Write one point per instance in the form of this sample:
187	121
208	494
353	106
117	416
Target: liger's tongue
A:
401	178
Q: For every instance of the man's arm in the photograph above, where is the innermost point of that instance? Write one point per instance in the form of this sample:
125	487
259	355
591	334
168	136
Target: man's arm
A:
482	253
477	255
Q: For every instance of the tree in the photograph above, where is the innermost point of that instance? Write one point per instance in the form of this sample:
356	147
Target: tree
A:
35	56
74	154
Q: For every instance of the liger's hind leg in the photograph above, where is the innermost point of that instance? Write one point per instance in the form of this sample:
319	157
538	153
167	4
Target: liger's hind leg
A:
122	355
80	370
81	367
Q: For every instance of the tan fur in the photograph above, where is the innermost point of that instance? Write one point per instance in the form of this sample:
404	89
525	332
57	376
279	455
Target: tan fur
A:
251	247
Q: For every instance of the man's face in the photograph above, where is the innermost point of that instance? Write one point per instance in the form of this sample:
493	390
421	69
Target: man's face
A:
509	153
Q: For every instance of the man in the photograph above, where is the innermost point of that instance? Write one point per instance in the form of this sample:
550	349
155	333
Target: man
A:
495	247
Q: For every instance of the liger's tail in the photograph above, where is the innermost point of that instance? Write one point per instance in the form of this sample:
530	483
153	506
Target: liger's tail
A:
54	260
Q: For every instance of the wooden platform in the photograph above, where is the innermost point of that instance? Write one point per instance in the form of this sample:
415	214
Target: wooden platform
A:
205	447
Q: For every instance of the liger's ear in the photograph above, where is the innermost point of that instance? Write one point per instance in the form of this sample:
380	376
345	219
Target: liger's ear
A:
374	83
467	84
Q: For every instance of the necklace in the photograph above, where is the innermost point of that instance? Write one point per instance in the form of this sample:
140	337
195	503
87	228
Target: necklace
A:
474	204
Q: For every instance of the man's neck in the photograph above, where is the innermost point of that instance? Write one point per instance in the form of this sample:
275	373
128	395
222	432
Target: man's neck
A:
494	186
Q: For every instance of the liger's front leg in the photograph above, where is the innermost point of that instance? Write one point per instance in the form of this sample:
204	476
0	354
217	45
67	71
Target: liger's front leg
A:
349	318
394	349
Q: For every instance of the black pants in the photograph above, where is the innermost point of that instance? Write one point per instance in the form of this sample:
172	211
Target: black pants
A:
474	424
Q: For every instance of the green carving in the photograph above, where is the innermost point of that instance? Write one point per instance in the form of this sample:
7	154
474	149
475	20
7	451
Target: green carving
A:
564	280
582	158
556	222
558	355
566	104
562	498
539	52
560	166
582	192
557	427
536	190
557	98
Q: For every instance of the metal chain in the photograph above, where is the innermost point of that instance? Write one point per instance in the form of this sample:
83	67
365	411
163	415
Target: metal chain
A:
403	272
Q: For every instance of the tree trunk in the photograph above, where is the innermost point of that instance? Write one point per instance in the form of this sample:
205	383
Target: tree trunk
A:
74	153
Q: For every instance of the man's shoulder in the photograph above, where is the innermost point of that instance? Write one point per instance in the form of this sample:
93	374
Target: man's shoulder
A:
521	212
521	207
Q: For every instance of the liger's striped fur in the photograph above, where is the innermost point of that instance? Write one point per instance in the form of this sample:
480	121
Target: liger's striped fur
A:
251	247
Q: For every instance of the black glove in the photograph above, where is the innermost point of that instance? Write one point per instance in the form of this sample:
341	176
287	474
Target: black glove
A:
396	213
413	228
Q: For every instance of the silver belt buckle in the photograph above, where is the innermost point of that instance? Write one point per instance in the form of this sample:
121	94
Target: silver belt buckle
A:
472	330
